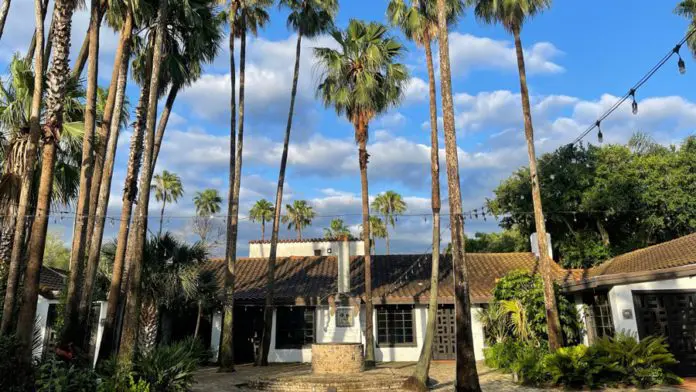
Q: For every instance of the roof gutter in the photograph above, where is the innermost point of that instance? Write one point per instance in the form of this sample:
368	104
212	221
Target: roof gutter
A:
630	277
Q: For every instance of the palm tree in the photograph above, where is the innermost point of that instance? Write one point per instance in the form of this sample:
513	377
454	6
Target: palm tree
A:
298	215
512	14
337	229
244	16
377	230
58	78
167	188
32	272
262	211
467	376
390	204
4	9
687	9
362	80
208	203
418	22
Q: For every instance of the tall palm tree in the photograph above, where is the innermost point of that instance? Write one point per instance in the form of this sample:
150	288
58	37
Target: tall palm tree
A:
262	211
362	80
298	215
687	9
58	77
512	14
390	205
418	22
32	272
337	229
208	203
244	16
308	18
467	376
4	10
168	188
72	328
377	230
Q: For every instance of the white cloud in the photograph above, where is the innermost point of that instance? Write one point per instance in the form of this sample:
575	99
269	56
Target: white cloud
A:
469	52
417	91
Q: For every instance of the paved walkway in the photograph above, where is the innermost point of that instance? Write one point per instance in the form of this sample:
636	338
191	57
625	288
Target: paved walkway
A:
209	380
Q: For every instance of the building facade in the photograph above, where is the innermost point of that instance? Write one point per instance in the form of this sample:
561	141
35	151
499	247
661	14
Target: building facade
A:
308	247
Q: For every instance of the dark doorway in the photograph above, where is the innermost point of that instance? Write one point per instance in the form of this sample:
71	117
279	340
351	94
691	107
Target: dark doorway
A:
248	327
444	345
673	315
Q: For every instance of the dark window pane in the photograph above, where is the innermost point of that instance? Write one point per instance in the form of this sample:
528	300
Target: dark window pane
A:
294	327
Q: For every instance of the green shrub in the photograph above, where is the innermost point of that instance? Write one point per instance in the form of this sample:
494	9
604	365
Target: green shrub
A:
12	363
169	368
501	355
115	378
529	365
55	375
576	367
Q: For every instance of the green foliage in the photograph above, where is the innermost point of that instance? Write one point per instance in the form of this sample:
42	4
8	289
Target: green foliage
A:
573	367
528	365
528	289
116	378
169	368
624	198
501	355
495	322
506	241
337	229
55	375
11	363
56	253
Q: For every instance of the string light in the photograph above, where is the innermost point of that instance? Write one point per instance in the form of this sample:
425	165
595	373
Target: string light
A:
680	62
634	104
600	135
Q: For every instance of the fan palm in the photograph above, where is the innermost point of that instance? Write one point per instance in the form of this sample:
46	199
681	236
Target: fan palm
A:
377	230
687	9
467	376
361	80
337	229
512	14
168	189
390	205
418	22
208	203
243	16
298	215
262	211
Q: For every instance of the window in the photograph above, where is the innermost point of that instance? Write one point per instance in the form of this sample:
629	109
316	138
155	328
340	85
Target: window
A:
317	252
294	327
600	318
395	326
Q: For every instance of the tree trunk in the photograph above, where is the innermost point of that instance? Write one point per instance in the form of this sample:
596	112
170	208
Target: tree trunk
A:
227	345
299	232
467	376
263	230
130	190
198	319
72	329
81	59
419	379
4	9
33	270
270	284
49	41
553	322
162	125
135	249
147	338
363	158
386	233
104	189
32	44
164	203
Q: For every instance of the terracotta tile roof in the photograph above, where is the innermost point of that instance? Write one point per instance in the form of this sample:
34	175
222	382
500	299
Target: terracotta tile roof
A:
395	278
676	253
292	240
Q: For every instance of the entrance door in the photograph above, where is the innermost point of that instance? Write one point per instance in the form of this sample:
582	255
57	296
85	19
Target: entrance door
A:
444	345
248	327
673	315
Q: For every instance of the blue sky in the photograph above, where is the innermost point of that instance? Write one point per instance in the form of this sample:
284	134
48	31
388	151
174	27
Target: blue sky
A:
579	60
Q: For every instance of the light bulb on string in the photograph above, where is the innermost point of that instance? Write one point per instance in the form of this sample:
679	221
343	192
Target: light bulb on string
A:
634	104
600	135
680	63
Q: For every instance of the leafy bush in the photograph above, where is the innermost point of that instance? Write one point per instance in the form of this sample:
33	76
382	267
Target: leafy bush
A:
529	365
56	375
11	363
115	378
501	355
575	367
169	368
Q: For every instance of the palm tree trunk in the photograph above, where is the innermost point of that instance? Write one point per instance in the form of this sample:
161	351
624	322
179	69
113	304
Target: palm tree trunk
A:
227	345
104	189
147	338
263	230
419	378
164	202
49	42
4	10
553	323
32	44
467	376
130	190
81	59
270	284
369	334
198	319
57	79
32	272
135	249
71	330
386	232
162	125
299	232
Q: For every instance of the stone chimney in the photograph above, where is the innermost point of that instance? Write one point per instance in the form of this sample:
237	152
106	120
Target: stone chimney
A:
533	240
343	256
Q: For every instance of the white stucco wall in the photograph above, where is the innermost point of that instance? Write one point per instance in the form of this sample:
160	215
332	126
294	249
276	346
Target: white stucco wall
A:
477	332
216	335
40	321
580	307
621	297
305	248
100	330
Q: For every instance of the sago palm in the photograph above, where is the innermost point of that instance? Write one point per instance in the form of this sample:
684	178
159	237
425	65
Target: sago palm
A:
362	79
298	215
390	205
262	211
168	189
512	14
